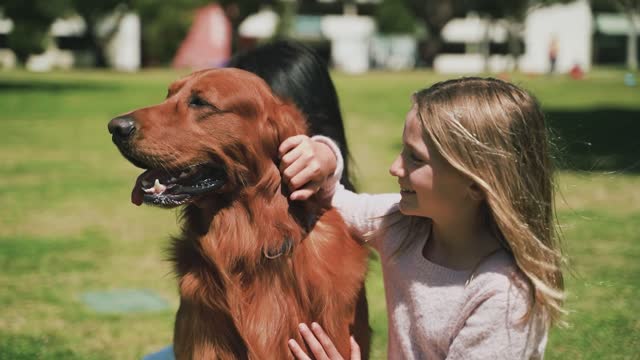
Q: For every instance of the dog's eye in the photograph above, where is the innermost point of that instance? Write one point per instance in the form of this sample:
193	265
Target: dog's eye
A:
196	101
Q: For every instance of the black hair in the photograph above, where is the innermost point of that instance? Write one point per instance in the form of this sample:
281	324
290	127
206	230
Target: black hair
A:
297	73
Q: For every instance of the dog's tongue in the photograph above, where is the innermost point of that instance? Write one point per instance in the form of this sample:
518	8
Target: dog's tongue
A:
137	194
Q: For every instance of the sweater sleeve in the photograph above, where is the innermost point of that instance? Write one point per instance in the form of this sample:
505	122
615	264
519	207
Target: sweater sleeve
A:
495	330
362	212
326	191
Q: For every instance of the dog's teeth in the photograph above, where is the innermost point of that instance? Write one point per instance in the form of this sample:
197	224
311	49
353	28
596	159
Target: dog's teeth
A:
184	174
158	188
173	179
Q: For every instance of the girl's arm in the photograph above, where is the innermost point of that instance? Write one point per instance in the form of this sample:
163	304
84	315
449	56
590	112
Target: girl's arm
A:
314	165
364	212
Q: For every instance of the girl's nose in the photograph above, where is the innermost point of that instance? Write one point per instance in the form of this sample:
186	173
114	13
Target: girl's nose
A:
397	167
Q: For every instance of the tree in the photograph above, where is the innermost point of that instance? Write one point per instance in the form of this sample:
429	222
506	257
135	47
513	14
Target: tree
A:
513	11
435	14
165	24
631	9
31	22
93	11
393	17
164	27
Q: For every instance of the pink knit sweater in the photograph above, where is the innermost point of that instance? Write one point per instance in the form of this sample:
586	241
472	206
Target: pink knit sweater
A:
435	312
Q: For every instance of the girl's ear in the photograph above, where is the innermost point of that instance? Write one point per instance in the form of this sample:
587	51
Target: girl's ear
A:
476	192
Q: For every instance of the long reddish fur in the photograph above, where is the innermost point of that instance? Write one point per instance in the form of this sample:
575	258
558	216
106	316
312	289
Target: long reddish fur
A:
235	303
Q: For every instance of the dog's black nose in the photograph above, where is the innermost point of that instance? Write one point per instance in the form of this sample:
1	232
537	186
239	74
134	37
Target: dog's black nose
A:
122	127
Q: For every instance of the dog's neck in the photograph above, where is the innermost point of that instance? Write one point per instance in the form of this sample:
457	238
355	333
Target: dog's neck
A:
250	229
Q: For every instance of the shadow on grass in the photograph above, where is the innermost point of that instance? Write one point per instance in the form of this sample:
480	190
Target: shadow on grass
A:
52	86
604	139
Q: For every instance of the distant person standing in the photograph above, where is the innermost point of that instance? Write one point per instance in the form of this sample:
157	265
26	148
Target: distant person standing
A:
553	54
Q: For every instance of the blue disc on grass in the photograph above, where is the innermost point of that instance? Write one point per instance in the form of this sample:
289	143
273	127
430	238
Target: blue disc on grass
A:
120	301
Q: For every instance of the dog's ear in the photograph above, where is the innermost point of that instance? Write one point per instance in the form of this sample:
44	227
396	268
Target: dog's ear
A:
283	121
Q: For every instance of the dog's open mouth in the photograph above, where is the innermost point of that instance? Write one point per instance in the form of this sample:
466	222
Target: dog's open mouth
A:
169	188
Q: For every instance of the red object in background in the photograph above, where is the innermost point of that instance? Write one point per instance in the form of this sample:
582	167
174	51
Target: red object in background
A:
208	43
504	76
576	72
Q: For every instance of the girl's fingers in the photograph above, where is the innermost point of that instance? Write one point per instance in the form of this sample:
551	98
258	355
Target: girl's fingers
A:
297	351
291	158
326	342
304	174
291	171
302	164
304	194
294	147
312	342
298	159
355	349
290	143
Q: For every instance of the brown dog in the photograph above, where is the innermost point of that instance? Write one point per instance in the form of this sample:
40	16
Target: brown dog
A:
251	264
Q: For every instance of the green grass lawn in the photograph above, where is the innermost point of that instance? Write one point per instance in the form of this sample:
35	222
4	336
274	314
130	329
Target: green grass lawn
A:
67	226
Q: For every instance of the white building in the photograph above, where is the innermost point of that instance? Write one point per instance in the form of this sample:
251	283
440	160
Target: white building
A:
571	25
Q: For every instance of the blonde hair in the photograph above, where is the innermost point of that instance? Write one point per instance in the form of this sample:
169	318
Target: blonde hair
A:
495	133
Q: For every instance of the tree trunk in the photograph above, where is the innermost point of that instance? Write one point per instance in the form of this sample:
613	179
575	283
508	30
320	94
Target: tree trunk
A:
632	41
435	14
513	37
98	43
485	47
96	46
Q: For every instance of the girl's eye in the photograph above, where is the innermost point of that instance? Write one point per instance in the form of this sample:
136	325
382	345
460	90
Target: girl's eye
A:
413	157
408	154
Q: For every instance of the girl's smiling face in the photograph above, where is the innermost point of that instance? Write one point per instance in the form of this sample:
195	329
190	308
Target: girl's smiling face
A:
429	185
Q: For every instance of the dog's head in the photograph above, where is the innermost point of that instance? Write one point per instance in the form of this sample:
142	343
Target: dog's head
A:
216	133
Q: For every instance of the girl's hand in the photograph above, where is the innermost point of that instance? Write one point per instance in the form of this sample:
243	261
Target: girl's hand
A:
320	344
305	165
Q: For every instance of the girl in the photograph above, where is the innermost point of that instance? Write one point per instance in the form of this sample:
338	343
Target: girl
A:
469	252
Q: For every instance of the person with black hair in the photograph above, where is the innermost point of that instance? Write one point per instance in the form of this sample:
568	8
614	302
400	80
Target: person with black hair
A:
297	73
